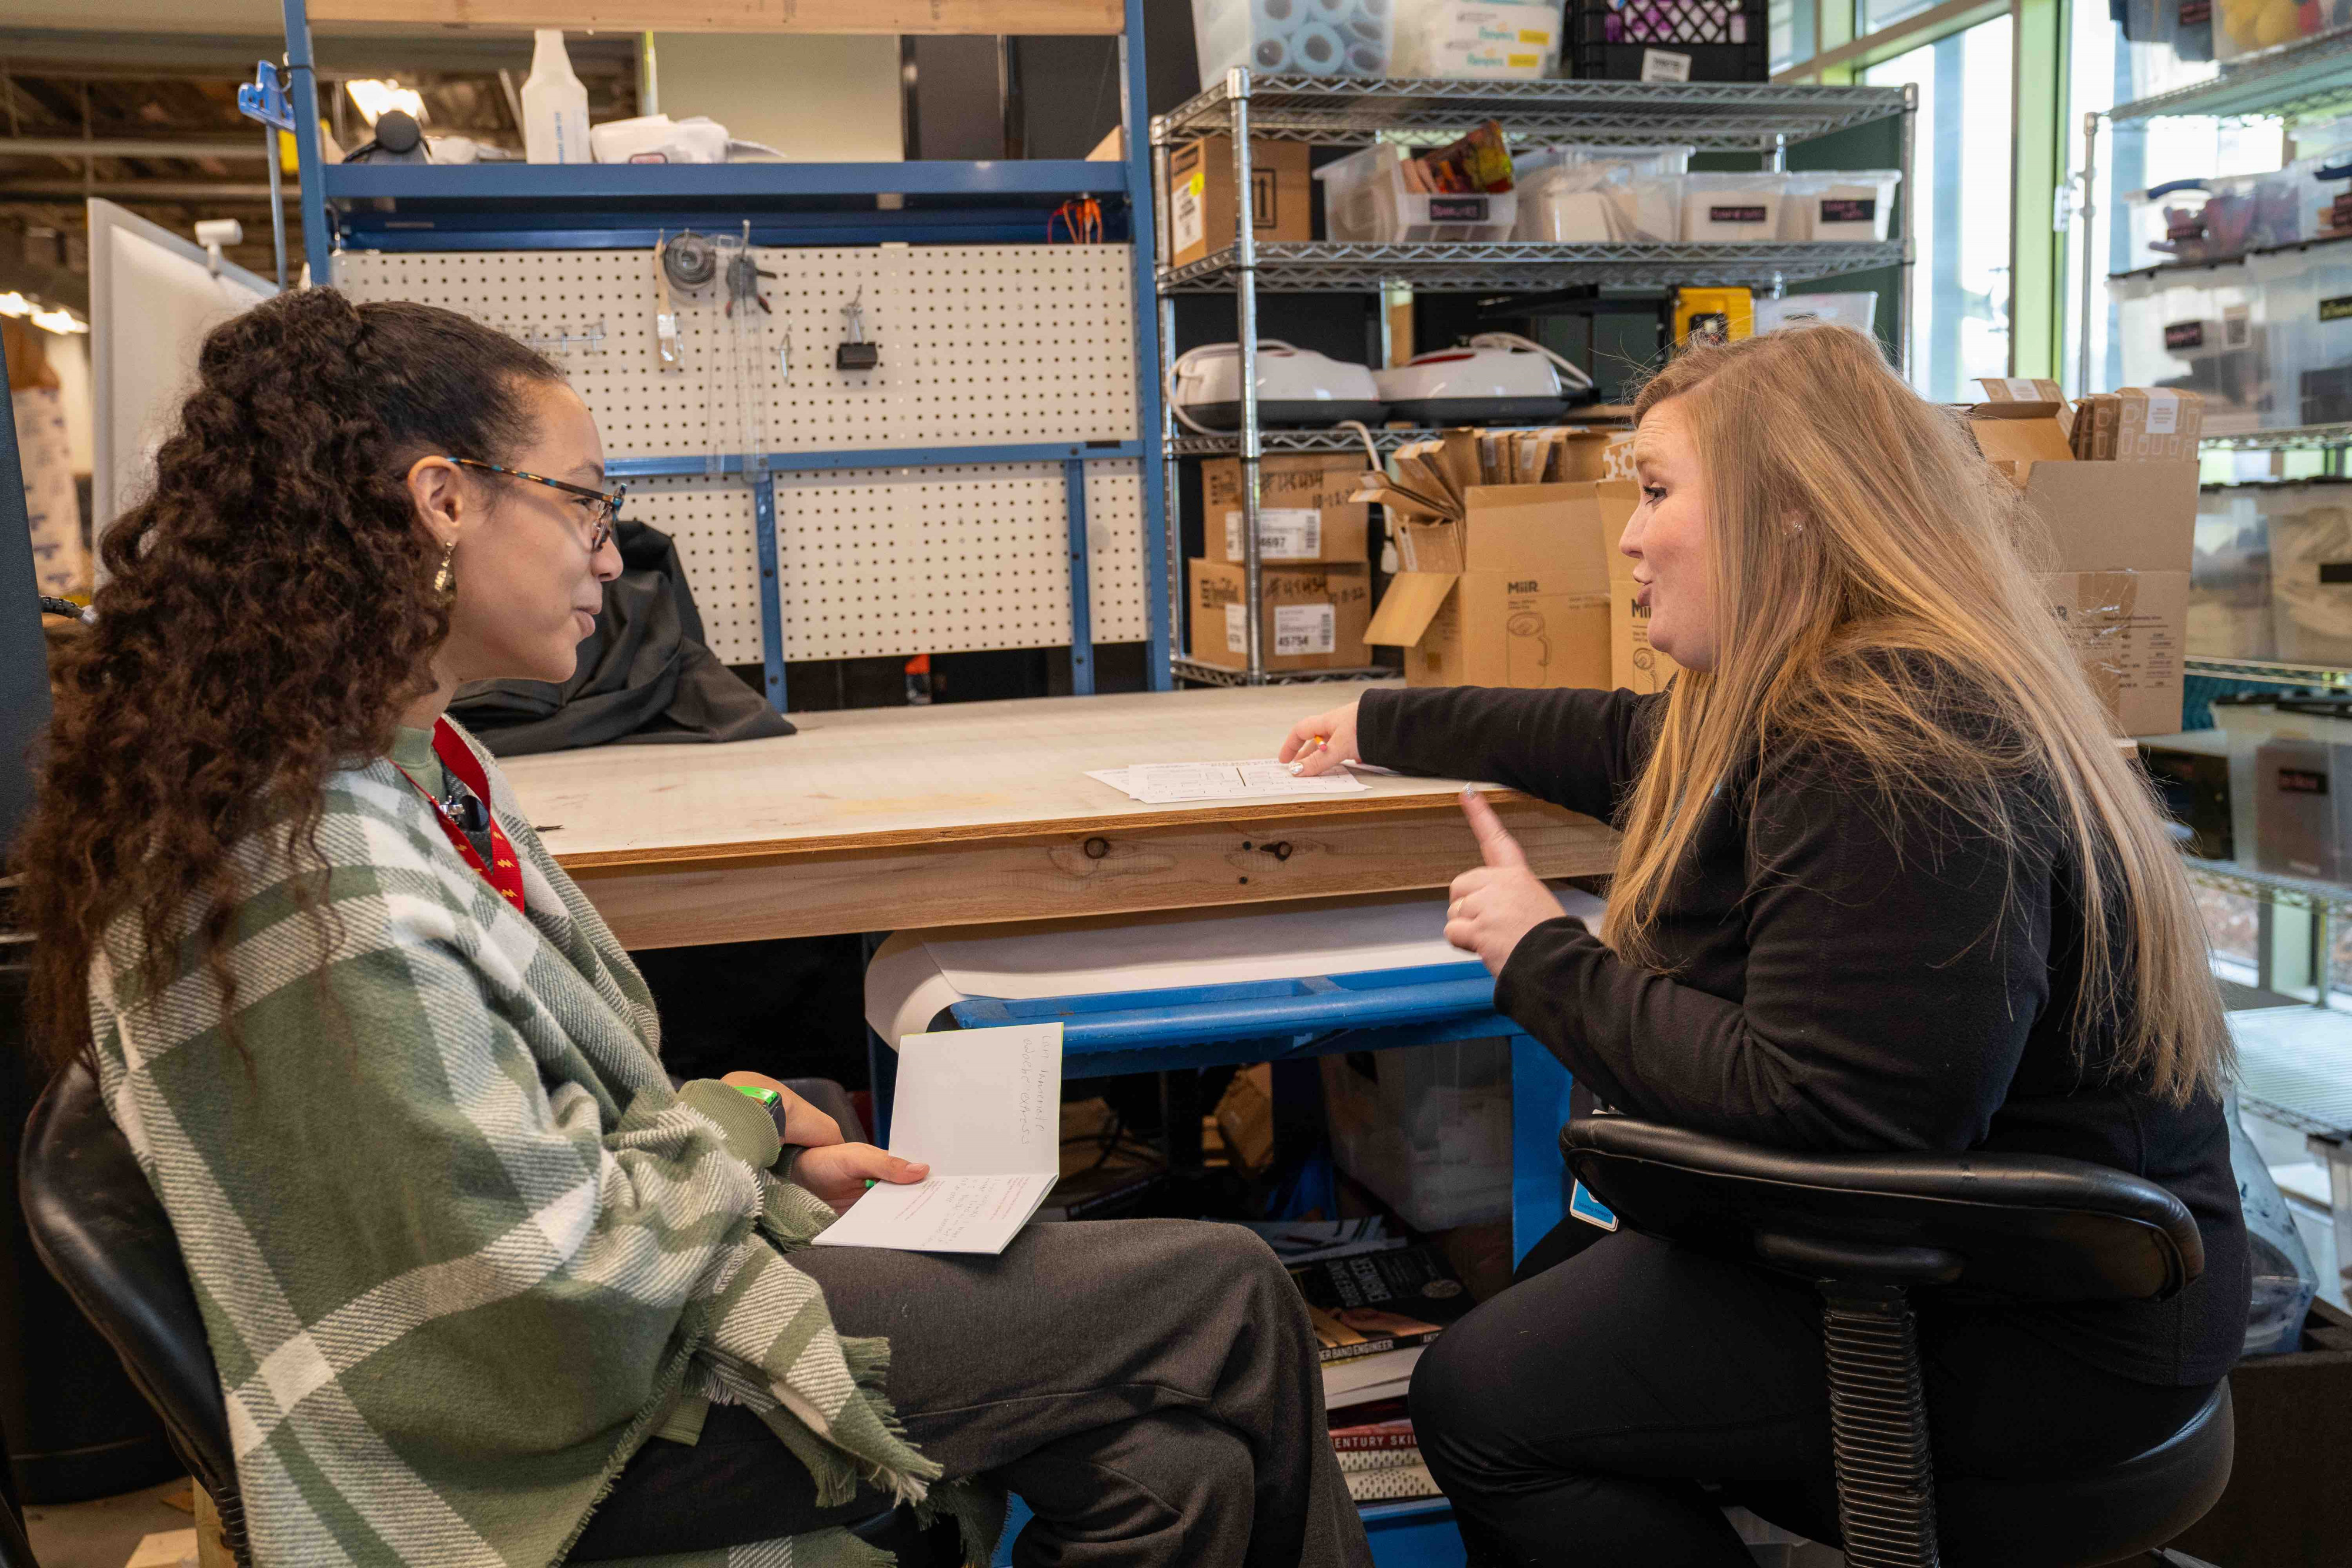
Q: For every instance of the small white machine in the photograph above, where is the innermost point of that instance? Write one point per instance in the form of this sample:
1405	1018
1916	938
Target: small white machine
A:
1494	378
1295	386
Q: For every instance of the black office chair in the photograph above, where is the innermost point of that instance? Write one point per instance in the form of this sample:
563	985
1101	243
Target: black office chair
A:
99	1227
1869	1229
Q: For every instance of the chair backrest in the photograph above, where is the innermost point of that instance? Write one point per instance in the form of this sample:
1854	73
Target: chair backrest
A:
100	1229
2019	1227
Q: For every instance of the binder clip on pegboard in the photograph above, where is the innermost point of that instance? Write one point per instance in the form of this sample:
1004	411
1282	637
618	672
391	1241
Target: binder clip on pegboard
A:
856	354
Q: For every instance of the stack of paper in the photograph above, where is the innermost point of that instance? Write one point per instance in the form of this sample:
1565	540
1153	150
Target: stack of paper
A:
1161	783
982	1107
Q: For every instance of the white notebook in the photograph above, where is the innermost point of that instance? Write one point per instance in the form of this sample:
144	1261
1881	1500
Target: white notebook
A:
982	1107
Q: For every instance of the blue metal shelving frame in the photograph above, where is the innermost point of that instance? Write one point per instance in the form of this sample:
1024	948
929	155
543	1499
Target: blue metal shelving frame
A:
517	206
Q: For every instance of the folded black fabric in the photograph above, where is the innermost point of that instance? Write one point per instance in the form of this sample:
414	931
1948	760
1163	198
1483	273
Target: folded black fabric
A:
645	676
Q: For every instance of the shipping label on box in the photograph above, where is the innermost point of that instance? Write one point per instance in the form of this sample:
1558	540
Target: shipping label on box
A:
2129	633
2156	423
1311	618
1284	533
1306	508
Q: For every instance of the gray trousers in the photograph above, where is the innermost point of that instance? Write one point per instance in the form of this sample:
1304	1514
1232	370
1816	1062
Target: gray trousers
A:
1148	1386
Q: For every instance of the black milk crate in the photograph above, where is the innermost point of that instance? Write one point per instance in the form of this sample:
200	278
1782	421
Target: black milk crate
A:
1670	40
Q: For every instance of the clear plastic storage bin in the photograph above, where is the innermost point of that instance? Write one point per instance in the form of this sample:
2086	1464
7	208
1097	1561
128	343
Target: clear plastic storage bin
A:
1858	310
2244	27
2166	223
2307	300
2230	579
2204	330
1427	1128
1731	208
1477	40
2163	52
2310	528
1293	37
1365	200
1843	204
2278	747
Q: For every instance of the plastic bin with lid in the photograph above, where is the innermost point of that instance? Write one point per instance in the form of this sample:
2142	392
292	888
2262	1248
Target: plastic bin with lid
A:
2166	223
2246	26
1569	196
2289	757
1839	204
2307	302
2230	578
2201	330
2253	212
2310	530
1477	40
1366	200
1293	37
1732	208
2162	52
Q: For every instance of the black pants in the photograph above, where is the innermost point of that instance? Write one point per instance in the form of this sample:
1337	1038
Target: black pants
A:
1572	1418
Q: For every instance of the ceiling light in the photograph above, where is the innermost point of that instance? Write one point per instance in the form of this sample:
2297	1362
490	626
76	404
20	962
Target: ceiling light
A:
373	98
59	321
14	304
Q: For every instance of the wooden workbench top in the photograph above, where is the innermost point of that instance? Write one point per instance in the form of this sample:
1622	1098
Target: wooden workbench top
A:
975	813
881	778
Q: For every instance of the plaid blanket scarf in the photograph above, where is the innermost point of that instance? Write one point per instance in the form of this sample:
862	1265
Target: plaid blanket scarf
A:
459	1246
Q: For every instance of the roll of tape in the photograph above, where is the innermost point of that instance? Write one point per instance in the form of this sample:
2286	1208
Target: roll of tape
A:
1276	18
1367	60
1333	12
1270	55
1317	49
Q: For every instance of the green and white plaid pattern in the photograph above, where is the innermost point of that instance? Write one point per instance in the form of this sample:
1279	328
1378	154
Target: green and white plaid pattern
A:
459	1248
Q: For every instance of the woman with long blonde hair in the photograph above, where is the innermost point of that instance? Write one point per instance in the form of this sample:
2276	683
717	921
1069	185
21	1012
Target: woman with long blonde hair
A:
1887	884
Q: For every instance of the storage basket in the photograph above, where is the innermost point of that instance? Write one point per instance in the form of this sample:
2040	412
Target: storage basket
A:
1366	201
1839	204
1732	209
1292	37
1477	40
1670	40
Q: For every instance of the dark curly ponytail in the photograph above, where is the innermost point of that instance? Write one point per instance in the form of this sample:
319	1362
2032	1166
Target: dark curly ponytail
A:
268	616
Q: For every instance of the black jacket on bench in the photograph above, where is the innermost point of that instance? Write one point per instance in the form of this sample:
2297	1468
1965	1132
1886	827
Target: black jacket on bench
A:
1838	983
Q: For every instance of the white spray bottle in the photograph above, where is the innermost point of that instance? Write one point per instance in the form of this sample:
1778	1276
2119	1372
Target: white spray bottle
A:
554	105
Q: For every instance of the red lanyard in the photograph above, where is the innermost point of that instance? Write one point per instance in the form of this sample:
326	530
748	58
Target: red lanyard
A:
503	873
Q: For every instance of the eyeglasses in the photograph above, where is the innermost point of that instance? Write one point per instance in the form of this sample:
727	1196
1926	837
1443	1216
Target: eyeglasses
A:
606	512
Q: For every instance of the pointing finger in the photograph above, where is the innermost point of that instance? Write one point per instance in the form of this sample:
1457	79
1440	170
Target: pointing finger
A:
1495	844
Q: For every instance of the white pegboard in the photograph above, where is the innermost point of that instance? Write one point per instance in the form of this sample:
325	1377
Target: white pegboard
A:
980	345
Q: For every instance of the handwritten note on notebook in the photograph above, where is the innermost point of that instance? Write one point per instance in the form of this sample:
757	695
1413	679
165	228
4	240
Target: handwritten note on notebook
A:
1163	783
982	1107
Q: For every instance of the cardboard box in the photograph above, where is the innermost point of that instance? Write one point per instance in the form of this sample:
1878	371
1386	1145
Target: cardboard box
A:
2014	437
1201	216
1634	664
1305	510
1513	594
2130	632
1311	618
2156	423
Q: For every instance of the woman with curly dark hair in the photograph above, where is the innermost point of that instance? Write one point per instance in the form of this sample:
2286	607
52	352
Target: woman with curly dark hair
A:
481	1284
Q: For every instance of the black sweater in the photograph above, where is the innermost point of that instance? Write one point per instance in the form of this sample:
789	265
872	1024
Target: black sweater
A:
1840	983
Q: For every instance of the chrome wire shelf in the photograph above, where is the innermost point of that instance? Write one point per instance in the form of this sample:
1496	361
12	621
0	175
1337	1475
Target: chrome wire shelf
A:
1297	267
1386	440
1218	676
2285	80
1342	110
2268	672
2298	892
2294	438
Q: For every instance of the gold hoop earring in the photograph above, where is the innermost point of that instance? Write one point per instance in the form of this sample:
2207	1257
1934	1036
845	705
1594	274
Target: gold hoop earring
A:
444	582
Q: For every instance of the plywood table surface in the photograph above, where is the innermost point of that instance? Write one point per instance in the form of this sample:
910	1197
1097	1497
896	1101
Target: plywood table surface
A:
964	813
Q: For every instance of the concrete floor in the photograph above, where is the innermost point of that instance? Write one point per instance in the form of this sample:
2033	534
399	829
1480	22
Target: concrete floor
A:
105	1533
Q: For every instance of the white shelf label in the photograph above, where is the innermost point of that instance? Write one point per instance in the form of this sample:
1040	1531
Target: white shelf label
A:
1284	533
